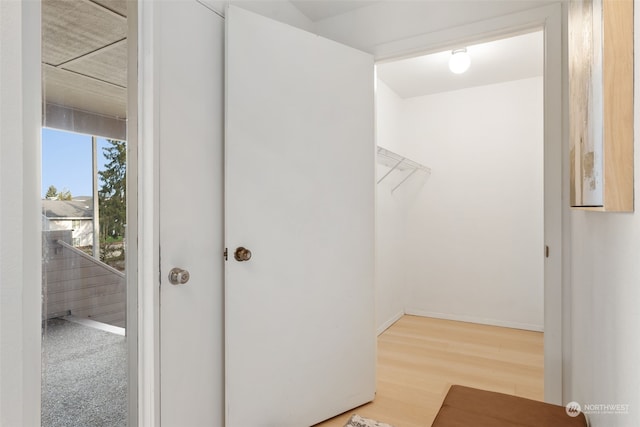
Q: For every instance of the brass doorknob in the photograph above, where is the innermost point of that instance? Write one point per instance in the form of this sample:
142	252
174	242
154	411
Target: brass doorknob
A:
242	254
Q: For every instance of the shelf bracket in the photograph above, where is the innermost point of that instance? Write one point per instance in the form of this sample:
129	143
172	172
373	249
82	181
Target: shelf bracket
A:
391	170
405	178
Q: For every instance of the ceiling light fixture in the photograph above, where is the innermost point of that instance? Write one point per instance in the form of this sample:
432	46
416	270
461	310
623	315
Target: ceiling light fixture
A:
459	61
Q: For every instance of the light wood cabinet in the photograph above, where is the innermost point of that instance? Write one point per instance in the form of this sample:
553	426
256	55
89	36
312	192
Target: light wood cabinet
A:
601	104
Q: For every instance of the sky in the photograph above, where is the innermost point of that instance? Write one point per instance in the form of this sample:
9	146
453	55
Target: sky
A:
66	161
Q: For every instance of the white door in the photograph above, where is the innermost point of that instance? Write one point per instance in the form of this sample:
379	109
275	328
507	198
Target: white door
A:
299	194
190	102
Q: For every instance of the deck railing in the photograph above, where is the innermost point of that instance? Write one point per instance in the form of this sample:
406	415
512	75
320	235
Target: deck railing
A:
76	283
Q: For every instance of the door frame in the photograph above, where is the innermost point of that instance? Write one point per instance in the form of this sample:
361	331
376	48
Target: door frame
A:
20	212
148	226
20	209
133	190
20	228
549	19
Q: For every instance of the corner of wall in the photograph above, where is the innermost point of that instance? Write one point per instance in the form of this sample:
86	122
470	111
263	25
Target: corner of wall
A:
279	10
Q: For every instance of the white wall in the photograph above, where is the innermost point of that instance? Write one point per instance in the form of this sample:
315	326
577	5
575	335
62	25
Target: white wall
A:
388	117
82	233
474	237
20	213
477	231
391	217
604	300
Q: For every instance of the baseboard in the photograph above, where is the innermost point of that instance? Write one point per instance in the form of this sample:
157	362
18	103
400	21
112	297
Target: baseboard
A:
390	322
473	319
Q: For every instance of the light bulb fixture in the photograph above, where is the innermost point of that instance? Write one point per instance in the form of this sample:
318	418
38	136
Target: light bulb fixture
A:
459	61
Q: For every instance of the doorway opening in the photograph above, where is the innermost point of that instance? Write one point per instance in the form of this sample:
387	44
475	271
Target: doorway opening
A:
88	330
465	241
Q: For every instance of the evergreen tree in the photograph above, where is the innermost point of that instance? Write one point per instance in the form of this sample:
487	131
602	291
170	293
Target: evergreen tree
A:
52	192
65	195
111	196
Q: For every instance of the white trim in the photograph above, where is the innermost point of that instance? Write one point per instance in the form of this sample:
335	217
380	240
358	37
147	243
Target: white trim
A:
555	215
474	319
147	221
134	386
386	325
216	6
55	219
20	213
482	31
556	212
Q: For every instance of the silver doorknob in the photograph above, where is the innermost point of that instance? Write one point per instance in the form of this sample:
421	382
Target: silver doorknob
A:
242	254
178	276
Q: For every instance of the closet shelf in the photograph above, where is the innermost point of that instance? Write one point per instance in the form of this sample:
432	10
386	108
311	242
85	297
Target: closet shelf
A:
398	163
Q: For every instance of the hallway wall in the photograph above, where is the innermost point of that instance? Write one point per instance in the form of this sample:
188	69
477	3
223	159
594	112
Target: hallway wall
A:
604	298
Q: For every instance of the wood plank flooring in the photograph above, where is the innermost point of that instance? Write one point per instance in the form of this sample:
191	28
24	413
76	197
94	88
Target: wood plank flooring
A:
419	358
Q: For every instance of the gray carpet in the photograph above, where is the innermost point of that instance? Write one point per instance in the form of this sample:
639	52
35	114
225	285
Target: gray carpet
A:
84	376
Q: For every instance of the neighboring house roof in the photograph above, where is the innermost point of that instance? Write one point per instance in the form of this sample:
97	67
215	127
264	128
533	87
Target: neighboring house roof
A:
78	208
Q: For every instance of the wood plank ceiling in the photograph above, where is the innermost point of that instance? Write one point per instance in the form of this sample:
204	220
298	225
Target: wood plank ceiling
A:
84	55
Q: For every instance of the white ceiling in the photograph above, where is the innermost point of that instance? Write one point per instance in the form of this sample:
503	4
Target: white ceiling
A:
508	59
317	10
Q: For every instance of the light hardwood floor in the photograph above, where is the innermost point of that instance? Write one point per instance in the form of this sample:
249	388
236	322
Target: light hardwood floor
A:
419	358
